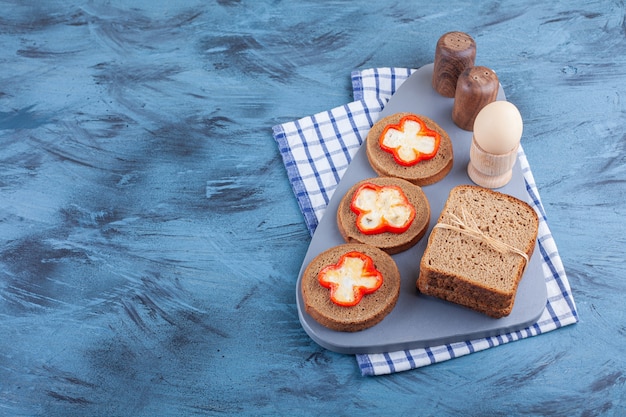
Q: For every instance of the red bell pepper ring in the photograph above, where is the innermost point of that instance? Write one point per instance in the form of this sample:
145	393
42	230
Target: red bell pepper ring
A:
352	277
391	211
413	147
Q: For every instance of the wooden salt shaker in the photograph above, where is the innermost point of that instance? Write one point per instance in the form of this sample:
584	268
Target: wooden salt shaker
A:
497	132
476	87
455	52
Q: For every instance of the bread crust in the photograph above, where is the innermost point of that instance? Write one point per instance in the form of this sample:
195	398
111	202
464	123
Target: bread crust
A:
467	271
372	308
424	172
390	242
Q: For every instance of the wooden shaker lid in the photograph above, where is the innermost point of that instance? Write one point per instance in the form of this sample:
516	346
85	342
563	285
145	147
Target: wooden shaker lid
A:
455	52
476	87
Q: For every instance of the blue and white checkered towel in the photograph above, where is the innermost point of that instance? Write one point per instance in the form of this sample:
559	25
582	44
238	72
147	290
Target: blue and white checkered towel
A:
317	150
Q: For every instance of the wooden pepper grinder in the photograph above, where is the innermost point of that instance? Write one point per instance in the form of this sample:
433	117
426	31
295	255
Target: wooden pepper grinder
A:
476	87
455	52
493	152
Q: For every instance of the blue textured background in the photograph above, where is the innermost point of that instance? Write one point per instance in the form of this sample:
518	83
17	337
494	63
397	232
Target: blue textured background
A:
150	241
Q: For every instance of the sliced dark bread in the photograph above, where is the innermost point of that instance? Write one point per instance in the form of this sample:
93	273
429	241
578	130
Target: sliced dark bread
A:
390	242
372	308
466	269
425	172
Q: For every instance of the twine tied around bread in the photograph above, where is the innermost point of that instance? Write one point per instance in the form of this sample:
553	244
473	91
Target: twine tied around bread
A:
470	228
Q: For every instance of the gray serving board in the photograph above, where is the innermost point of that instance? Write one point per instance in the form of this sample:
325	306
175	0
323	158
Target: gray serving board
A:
419	321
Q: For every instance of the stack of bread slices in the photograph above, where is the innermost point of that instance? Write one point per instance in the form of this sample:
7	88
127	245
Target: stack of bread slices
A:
479	249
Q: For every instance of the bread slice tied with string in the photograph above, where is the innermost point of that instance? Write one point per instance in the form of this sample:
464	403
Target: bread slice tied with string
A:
478	250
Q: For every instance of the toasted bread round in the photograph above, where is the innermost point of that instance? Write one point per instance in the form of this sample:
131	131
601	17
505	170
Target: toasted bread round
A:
372	308
390	242
425	172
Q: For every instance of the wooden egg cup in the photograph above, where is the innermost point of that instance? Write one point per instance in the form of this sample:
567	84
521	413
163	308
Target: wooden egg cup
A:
490	170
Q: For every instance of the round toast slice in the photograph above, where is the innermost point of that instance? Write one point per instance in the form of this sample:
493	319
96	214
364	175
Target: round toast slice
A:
390	242
423	173
372	308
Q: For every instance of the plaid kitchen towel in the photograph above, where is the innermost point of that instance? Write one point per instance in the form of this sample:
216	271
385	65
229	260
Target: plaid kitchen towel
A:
316	151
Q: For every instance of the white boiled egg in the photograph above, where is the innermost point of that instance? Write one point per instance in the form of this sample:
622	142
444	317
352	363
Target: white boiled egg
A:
498	127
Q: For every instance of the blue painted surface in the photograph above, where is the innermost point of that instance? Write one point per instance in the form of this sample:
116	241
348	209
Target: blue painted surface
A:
150	240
